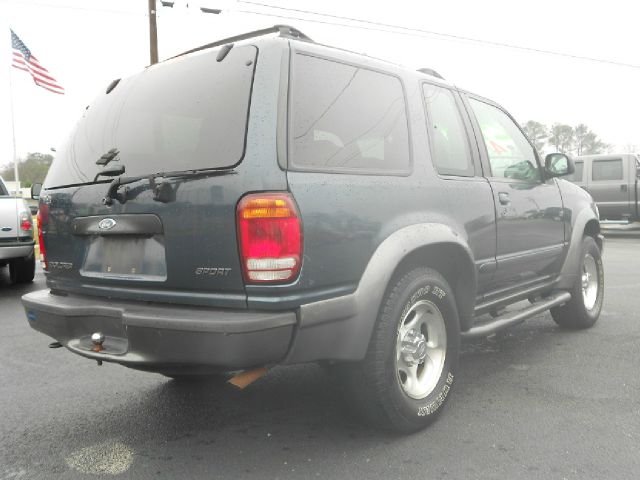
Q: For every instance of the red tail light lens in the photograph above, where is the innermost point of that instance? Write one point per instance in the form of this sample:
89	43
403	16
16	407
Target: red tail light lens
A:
43	217
270	238
26	222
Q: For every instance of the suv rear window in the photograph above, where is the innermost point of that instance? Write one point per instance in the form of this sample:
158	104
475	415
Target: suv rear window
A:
347	118
187	113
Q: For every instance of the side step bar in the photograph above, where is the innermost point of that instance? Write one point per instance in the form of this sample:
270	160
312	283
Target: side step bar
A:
513	318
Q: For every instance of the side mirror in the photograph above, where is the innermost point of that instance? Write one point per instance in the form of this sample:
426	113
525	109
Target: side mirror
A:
35	190
558	165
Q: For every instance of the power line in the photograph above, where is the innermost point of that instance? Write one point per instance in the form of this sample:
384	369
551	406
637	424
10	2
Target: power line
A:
423	33
358	27
410	31
71	7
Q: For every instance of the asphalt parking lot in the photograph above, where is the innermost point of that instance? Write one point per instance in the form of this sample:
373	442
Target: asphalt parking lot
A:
535	402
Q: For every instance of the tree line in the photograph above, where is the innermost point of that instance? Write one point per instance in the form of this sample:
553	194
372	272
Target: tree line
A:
578	140
31	169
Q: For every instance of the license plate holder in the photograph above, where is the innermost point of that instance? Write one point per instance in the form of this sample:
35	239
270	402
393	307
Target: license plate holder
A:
127	257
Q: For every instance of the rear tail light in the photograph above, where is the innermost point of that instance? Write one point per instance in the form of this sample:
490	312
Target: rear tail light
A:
270	238
26	222
43	217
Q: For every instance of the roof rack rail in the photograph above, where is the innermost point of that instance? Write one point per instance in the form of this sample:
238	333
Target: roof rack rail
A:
431	71
292	32
284	30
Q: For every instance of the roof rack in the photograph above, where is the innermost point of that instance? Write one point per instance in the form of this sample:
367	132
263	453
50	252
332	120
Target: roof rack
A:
284	31
431	71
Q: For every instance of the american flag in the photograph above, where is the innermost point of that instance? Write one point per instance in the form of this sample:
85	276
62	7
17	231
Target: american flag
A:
24	60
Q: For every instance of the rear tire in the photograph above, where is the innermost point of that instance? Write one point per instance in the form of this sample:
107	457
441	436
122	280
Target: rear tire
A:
22	270
587	294
408	371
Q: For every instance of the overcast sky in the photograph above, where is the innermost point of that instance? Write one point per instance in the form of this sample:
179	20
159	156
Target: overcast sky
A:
87	43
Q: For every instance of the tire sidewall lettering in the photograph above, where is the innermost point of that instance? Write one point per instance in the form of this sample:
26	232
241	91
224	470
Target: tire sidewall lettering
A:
437	403
432	403
434	290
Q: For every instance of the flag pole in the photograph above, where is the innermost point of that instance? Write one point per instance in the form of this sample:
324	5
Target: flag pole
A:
13	136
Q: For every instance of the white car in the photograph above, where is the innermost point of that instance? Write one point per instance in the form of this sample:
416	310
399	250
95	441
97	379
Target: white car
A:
16	237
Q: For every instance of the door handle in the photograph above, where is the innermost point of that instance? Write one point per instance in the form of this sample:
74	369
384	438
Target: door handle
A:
623	188
504	198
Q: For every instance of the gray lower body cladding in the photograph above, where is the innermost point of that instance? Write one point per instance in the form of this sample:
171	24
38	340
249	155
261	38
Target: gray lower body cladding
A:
161	336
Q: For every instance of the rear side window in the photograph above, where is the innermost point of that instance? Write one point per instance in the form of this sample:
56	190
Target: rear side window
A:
347	118
577	176
607	170
3	190
448	136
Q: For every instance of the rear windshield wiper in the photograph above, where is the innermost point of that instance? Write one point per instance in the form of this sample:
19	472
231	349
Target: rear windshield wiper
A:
162	192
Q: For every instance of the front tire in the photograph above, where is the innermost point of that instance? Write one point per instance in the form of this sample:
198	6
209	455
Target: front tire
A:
587	294
408	371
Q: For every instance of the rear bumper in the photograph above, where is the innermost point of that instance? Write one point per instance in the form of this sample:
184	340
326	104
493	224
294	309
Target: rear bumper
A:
16	251
162	337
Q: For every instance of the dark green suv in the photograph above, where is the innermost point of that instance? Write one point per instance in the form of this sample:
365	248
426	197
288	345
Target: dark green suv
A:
268	200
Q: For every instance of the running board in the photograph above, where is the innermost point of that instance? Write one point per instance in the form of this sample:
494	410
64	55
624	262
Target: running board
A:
513	318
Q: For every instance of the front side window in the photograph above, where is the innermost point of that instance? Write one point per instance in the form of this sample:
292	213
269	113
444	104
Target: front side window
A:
511	156
347	118
447	133
607	170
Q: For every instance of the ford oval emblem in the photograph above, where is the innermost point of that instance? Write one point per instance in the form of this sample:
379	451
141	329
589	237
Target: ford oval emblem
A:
106	224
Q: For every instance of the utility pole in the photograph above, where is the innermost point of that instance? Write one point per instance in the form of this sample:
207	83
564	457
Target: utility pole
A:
153	33
153	26
13	137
